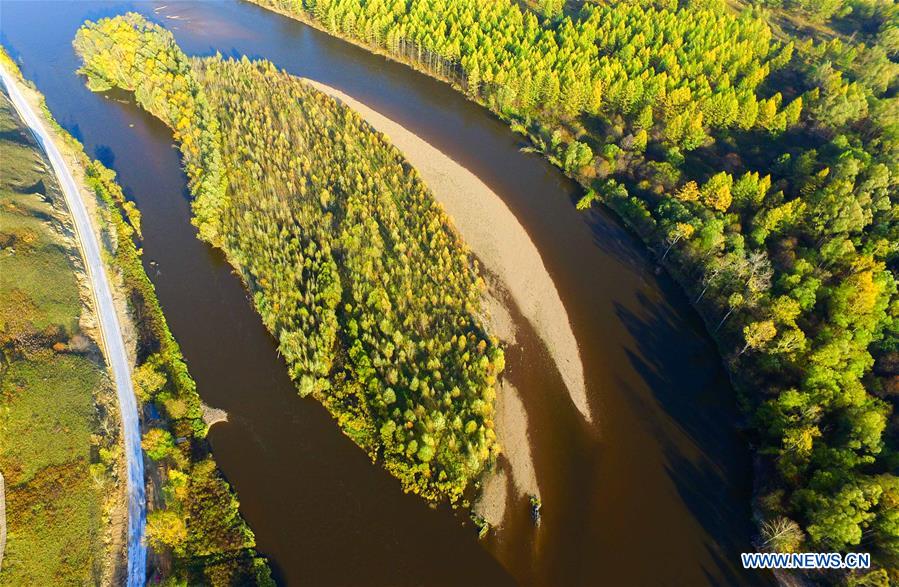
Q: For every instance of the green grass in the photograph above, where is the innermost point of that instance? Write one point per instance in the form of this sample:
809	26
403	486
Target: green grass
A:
35	268
48	413
42	274
53	502
50	383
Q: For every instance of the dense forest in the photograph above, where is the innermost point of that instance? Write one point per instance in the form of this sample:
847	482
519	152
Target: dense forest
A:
193	525
755	148
354	268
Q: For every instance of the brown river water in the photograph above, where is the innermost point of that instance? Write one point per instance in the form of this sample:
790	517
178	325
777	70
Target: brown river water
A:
655	492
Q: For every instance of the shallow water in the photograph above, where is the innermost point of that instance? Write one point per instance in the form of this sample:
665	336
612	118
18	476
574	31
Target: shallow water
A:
655	492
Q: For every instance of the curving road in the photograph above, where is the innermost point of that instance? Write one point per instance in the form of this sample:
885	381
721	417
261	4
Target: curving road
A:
111	334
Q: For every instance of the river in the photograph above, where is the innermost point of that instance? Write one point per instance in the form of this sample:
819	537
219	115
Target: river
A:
656	491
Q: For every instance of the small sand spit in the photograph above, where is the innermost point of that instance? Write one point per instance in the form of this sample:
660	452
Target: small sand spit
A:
491	504
491	230
512	429
213	415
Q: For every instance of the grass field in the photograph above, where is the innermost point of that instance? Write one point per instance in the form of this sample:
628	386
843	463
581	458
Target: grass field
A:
58	432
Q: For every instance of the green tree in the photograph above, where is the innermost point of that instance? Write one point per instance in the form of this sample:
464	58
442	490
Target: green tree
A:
158	444
166	529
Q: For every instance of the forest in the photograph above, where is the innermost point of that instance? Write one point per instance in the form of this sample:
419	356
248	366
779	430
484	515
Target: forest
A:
754	146
353	266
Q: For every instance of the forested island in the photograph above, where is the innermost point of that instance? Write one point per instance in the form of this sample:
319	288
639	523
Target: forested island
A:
354	268
60	440
754	147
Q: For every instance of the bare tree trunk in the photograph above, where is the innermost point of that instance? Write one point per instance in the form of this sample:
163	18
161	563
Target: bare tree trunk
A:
701	294
669	247
723	320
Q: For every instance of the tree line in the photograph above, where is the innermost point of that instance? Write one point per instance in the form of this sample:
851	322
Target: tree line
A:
677	73
198	523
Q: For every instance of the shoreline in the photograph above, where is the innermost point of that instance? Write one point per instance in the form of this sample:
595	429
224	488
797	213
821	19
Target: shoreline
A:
495	236
513	475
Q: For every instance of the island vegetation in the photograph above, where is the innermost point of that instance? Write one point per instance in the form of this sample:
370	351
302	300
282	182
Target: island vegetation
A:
755	147
193	526
354	268
60	444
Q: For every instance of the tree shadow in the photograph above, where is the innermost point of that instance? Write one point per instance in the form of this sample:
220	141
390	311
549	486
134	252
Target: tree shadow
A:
616	239
105	155
75	131
692	412
16	136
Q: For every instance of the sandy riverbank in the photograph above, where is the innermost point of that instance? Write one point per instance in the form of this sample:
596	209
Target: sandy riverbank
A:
518	465
497	238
